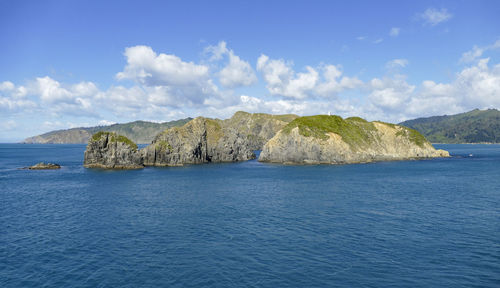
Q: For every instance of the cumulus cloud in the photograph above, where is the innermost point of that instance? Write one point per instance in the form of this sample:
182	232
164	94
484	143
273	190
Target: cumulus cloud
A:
148	68
237	72
282	80
394	32
476	52
334	83
433	16
184	80
477	86
390	93
13	98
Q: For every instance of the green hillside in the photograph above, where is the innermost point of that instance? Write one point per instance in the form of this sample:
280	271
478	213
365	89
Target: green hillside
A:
476	126
141	132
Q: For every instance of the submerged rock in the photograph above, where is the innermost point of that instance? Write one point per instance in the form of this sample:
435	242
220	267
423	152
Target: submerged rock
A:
43	165
333	140
112	151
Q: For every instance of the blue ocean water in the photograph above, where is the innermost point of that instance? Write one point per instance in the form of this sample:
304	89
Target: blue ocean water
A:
430	223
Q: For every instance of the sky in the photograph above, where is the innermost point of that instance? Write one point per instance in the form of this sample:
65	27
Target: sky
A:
66	64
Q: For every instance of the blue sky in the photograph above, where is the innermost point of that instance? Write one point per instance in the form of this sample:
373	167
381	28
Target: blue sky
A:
82	63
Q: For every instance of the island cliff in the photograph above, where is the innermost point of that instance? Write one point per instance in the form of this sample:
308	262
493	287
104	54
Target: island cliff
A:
325	139
109	150
201	140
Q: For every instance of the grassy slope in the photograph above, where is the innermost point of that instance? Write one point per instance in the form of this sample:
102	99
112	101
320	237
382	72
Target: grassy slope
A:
355	131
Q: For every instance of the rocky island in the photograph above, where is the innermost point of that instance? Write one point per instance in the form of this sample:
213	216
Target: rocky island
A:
285	139
109	150
201	140
44	166
326	139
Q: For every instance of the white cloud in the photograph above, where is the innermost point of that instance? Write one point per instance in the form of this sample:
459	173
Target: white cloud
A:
146	67
378	41
6	86
361	38
432	16
477	86
333	83
52	91
396	64
282	80
390	94
394	32
12	98
105	122
182	81
237	72
476	52
218	51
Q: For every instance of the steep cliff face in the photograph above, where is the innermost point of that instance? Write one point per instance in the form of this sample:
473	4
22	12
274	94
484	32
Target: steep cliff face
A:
201	140
333	140
112	151
258	128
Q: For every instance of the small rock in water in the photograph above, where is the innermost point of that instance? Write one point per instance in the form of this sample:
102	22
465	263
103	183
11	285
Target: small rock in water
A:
43	165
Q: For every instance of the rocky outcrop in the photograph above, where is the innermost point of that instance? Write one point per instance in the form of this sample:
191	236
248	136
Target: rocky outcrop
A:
202	140
258	128
109	150
332	140
44	166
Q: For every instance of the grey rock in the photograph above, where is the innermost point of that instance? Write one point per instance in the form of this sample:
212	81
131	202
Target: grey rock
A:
258	128
109	150
44	166
201	140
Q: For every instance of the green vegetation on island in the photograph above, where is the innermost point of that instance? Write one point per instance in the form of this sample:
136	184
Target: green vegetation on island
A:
115	138
142	132
476	126
355	131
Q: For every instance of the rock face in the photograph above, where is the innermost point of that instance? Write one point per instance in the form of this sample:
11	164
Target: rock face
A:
332	140
111	151
258	128
43	166
202	140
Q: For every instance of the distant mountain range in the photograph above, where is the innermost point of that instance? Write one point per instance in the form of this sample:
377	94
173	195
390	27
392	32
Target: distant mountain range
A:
476	126
141	132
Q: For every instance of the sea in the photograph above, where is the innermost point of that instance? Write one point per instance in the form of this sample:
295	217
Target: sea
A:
425	223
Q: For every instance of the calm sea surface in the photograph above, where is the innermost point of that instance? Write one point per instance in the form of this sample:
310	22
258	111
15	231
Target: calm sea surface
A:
431	223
